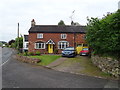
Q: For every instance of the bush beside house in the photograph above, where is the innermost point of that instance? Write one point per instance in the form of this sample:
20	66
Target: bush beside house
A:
103	37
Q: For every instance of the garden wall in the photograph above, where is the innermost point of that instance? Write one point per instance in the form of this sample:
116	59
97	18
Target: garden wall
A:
107	65
27	59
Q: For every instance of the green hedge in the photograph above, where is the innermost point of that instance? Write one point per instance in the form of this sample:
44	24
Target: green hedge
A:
103	35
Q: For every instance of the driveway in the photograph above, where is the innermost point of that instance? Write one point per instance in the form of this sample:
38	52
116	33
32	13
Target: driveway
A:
79	65
16	74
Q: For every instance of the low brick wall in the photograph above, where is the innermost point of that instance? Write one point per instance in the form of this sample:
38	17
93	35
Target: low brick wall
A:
27	59
107	65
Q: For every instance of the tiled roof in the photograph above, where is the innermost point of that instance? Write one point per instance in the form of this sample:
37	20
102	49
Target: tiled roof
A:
57	29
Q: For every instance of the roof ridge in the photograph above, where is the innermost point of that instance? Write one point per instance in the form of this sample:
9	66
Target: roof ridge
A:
62	25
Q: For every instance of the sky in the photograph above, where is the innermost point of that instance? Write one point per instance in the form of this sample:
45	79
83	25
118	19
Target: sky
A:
48	12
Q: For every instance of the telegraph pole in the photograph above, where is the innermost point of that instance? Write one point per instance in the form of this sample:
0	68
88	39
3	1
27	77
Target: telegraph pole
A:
18	37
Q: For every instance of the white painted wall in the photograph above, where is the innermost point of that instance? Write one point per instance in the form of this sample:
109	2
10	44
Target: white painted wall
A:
25	44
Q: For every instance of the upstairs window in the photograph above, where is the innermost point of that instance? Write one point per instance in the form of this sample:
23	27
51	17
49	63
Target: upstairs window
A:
40	35
63	36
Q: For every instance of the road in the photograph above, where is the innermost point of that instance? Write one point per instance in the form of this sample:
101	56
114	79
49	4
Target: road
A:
16	74
5	53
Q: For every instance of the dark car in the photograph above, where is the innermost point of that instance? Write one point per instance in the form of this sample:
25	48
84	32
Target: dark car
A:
85	52
69	52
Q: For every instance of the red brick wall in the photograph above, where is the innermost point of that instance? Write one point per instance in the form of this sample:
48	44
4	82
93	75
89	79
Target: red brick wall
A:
56	37
80	38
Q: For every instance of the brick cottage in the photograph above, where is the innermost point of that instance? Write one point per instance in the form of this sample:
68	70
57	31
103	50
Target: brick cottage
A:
52	38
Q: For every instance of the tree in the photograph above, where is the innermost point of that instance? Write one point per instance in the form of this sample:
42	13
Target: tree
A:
19	41
61	22
103	35
11	41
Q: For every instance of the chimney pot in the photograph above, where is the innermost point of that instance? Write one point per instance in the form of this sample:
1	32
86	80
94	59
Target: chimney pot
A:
33	23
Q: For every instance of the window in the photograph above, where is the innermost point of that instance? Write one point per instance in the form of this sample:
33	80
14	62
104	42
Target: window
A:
26	45
40	45
63	44
79	45
40	35
85	45
63	36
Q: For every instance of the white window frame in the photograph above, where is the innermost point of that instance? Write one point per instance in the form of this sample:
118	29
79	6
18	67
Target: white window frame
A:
63	36
42	45
63	44
40	35
26	46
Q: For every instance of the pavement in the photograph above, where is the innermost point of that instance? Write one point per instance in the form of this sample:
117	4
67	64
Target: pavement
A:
59	65
56	62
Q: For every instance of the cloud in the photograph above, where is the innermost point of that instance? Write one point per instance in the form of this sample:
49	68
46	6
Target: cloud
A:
48	12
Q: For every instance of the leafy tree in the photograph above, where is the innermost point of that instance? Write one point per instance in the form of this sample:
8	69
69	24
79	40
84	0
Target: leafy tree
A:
61	22
19	41
11	41
103	35
13	45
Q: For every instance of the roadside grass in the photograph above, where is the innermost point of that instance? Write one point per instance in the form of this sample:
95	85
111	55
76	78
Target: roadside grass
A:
91	69
85	67
46	59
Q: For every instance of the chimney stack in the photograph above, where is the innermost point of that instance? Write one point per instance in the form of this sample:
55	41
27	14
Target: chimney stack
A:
33	23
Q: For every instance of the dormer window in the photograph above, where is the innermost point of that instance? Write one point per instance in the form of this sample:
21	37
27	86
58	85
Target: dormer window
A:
40	35
63	36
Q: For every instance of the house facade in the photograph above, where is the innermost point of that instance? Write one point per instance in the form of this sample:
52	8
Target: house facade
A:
25	43
52	38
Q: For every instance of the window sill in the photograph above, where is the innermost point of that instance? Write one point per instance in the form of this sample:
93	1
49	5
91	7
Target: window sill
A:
39	48
64	38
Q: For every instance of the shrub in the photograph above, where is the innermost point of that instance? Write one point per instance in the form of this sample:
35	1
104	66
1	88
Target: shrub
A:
25	53
20	54
56	51
30	53
37	53
103	35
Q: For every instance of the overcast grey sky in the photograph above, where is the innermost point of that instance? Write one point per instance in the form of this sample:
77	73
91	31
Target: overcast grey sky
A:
48	12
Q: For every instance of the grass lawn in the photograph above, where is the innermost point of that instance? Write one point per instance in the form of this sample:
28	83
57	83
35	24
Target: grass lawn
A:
46	59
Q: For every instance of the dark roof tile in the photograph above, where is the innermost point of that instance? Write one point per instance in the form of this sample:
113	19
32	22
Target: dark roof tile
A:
57	29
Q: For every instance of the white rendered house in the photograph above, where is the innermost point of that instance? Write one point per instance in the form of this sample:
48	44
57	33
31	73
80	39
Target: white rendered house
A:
25	43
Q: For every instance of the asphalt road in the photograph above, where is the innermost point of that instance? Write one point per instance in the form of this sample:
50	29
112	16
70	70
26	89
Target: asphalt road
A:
16	74
5	53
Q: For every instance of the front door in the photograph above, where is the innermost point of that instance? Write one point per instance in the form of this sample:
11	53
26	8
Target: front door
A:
50	48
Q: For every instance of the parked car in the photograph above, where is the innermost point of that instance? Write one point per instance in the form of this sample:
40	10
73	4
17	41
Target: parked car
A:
85	52
69	52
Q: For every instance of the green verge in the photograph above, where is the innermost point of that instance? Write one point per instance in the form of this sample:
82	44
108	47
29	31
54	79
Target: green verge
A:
46	59
91	69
